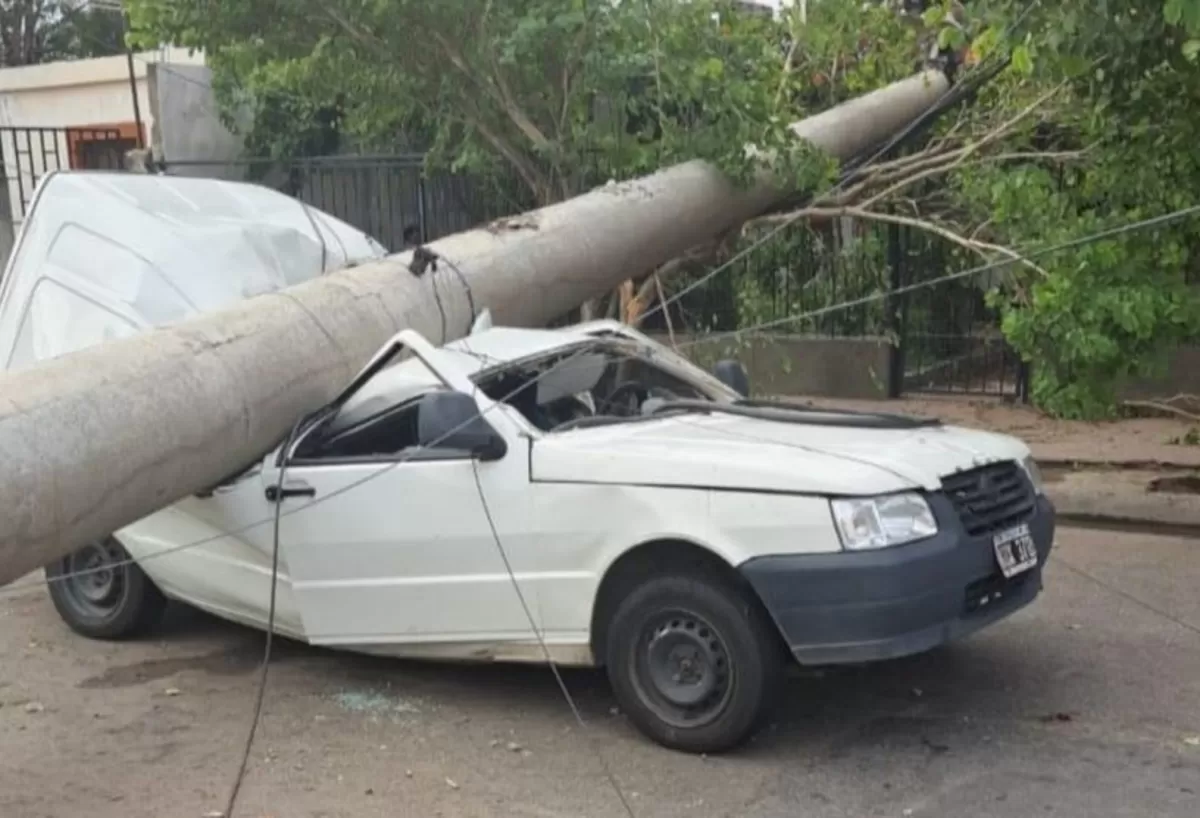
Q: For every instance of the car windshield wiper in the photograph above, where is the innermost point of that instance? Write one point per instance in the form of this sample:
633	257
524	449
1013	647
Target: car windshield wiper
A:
791	413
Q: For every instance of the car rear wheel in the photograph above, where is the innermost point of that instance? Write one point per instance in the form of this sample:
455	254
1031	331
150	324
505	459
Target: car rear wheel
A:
101	594
694	663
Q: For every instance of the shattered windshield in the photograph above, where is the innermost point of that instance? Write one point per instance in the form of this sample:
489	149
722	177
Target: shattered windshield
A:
608	379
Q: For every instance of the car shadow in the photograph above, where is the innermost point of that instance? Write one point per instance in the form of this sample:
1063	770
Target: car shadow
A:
917	697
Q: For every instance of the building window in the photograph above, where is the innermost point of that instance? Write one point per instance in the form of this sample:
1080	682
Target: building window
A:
102	146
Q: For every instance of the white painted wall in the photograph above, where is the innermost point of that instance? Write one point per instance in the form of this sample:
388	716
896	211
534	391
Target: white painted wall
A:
69	94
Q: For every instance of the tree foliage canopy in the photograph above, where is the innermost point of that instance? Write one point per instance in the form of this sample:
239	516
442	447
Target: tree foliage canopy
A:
37	31
1090	126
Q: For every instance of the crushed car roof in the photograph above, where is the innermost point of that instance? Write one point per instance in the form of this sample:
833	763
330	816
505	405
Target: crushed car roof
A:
105	255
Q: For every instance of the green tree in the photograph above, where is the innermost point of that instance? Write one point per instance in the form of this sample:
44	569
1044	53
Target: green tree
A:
37	31
560	94
1125	86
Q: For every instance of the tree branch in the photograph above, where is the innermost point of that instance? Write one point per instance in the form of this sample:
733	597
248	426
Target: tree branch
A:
1164	407
530	174
975	245
502	94
936	156
662	299
787	69
959	163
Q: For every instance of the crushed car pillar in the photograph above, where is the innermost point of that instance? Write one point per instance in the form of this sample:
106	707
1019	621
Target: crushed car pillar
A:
101	437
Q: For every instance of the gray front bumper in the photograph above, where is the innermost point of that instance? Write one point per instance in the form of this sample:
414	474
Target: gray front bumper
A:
866	606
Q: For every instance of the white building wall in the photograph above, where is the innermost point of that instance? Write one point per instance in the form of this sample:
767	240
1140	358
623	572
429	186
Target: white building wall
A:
76	93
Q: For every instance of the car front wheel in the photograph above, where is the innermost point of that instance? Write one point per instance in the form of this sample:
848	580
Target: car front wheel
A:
694	663
100	593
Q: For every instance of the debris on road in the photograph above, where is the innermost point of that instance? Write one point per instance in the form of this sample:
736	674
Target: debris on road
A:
1056	717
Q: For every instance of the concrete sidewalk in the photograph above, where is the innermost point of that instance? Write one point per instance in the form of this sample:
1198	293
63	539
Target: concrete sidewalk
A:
1100	472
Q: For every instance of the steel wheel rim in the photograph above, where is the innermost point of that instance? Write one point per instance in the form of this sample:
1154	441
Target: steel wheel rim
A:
682	670
95	578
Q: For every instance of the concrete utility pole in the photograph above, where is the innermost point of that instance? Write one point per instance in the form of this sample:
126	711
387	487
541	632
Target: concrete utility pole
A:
95	440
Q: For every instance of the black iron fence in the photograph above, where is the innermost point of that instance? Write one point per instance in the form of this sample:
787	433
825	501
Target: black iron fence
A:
837	280
392	198
28	154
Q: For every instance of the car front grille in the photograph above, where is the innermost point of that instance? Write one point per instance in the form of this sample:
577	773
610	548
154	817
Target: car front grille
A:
991	497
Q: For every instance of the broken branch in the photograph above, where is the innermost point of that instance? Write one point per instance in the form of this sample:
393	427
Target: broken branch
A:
1163	408
975	245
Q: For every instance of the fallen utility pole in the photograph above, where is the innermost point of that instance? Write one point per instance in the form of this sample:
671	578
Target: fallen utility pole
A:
92	441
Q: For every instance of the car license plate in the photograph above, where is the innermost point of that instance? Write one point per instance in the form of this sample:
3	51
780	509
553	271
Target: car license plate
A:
1015	550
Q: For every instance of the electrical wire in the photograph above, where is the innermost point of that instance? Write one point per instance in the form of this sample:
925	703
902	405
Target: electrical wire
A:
586	348
278	514
512	577
558	677
319	234
437	297
260	695
466	285
1071	244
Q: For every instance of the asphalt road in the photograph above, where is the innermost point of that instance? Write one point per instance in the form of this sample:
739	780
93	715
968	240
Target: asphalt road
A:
1081	705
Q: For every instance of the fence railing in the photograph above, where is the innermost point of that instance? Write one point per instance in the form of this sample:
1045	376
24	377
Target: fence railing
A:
392	198
808	281
28	154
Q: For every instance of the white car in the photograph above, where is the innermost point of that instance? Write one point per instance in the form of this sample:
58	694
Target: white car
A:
655	521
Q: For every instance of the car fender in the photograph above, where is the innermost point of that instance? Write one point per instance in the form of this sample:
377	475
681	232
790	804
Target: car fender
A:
731	526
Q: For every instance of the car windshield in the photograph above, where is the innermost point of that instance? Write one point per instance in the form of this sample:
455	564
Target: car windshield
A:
600	379
610	379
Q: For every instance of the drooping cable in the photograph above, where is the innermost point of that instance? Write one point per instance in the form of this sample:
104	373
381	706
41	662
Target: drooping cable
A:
260	694
1156	221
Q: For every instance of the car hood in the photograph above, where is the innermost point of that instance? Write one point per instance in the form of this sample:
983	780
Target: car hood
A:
743	453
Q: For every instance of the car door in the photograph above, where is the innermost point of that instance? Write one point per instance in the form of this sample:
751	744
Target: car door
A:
396	548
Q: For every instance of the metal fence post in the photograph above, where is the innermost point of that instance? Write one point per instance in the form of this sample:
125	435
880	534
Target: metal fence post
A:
894	312
421	225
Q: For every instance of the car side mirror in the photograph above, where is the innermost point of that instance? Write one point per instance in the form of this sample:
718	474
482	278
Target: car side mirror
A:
734	375
452	420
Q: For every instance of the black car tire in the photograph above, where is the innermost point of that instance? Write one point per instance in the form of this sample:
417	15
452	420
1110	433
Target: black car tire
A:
101	594
673	639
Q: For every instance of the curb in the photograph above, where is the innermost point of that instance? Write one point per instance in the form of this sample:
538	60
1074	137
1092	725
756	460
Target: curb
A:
1084	464
1125	509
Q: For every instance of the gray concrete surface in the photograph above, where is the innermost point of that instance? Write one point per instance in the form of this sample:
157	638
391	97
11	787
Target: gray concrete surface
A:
187	128
784	364
1122	495
1079	707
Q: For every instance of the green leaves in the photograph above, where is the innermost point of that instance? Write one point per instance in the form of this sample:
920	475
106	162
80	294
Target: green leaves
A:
560	94
1022	61
1184	13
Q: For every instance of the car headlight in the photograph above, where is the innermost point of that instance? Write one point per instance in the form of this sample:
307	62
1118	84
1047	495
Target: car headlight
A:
1035	474
866	523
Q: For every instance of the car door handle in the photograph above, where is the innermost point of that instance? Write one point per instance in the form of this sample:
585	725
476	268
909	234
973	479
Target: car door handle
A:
275	493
